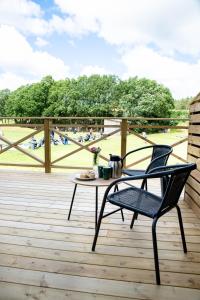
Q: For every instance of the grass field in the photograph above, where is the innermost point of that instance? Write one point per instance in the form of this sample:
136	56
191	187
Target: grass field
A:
84	158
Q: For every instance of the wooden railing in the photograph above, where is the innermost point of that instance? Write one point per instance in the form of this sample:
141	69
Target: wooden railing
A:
123	126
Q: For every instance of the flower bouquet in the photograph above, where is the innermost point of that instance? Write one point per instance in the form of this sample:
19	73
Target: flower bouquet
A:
95	151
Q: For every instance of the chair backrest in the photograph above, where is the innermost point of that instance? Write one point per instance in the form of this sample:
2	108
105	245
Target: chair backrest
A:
160	156
177	179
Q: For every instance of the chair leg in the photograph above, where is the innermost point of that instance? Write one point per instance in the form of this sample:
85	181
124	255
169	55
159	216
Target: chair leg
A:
135	215
98	224
146	188
122	214
181	228
72	201
116	188
155	250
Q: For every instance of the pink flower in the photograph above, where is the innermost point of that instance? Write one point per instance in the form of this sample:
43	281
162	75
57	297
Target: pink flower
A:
95	149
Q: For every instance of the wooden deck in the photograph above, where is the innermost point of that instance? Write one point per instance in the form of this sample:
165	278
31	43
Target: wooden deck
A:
44	256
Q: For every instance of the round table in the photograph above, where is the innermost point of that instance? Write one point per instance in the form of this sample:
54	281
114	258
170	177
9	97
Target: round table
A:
98	182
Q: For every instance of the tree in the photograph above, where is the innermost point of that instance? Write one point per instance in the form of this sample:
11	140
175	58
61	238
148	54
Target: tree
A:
4	95
145	98
91	96
183	103
96	95
29	100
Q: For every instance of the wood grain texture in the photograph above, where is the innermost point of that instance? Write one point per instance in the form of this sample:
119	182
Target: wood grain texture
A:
192	191
45	256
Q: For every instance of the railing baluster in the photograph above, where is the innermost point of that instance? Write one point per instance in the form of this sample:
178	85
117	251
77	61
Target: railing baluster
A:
47	145
124	128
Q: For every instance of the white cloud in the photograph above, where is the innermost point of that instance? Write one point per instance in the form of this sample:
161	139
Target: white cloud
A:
24	15
19	60
12	81
171	25
91	70
180	77
41	42
73	26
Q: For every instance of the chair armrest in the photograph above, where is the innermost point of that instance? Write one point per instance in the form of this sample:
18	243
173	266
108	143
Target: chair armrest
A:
165	168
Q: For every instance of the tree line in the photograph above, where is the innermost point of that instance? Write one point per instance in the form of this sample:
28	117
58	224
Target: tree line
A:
93	96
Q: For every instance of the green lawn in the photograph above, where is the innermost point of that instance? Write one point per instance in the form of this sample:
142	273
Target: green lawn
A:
84	158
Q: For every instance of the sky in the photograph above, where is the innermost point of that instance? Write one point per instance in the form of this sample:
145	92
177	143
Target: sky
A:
155	39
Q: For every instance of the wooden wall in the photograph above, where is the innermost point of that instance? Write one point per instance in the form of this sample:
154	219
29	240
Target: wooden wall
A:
192	190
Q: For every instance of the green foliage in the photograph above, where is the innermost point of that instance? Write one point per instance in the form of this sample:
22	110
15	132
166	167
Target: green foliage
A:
4	95
183	104
180	113
146	98
96	95
29	100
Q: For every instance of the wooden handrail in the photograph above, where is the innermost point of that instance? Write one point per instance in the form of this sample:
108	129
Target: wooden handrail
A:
94	118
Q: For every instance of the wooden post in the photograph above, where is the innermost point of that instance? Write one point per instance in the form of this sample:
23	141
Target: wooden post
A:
124	128
47	145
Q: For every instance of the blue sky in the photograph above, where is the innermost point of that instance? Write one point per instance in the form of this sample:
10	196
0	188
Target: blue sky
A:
156	39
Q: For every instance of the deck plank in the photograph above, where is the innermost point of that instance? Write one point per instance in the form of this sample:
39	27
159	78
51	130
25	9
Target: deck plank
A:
44	256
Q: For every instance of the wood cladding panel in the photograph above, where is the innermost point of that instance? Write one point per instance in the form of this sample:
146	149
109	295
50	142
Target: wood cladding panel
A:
194	139
193	194
195	151
192	190
195	118
194	129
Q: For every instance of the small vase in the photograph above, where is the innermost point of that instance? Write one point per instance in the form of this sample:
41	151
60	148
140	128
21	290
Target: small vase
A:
95	159
95	164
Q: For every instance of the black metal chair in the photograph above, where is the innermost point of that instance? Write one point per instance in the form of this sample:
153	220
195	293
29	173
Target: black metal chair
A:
159	157
140	201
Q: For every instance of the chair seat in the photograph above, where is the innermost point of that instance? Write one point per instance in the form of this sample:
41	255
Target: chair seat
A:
137	200
133	172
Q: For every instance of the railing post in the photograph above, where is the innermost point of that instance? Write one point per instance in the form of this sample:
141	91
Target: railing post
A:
124	128
47	145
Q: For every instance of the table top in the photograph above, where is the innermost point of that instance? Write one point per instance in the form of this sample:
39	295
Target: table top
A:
94	182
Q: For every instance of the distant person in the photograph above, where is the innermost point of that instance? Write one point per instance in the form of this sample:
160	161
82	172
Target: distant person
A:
87	137
33	143
91	134
52	134
74	130
61	138
41	142
144	134
53	140
80	139
65	140
101	132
